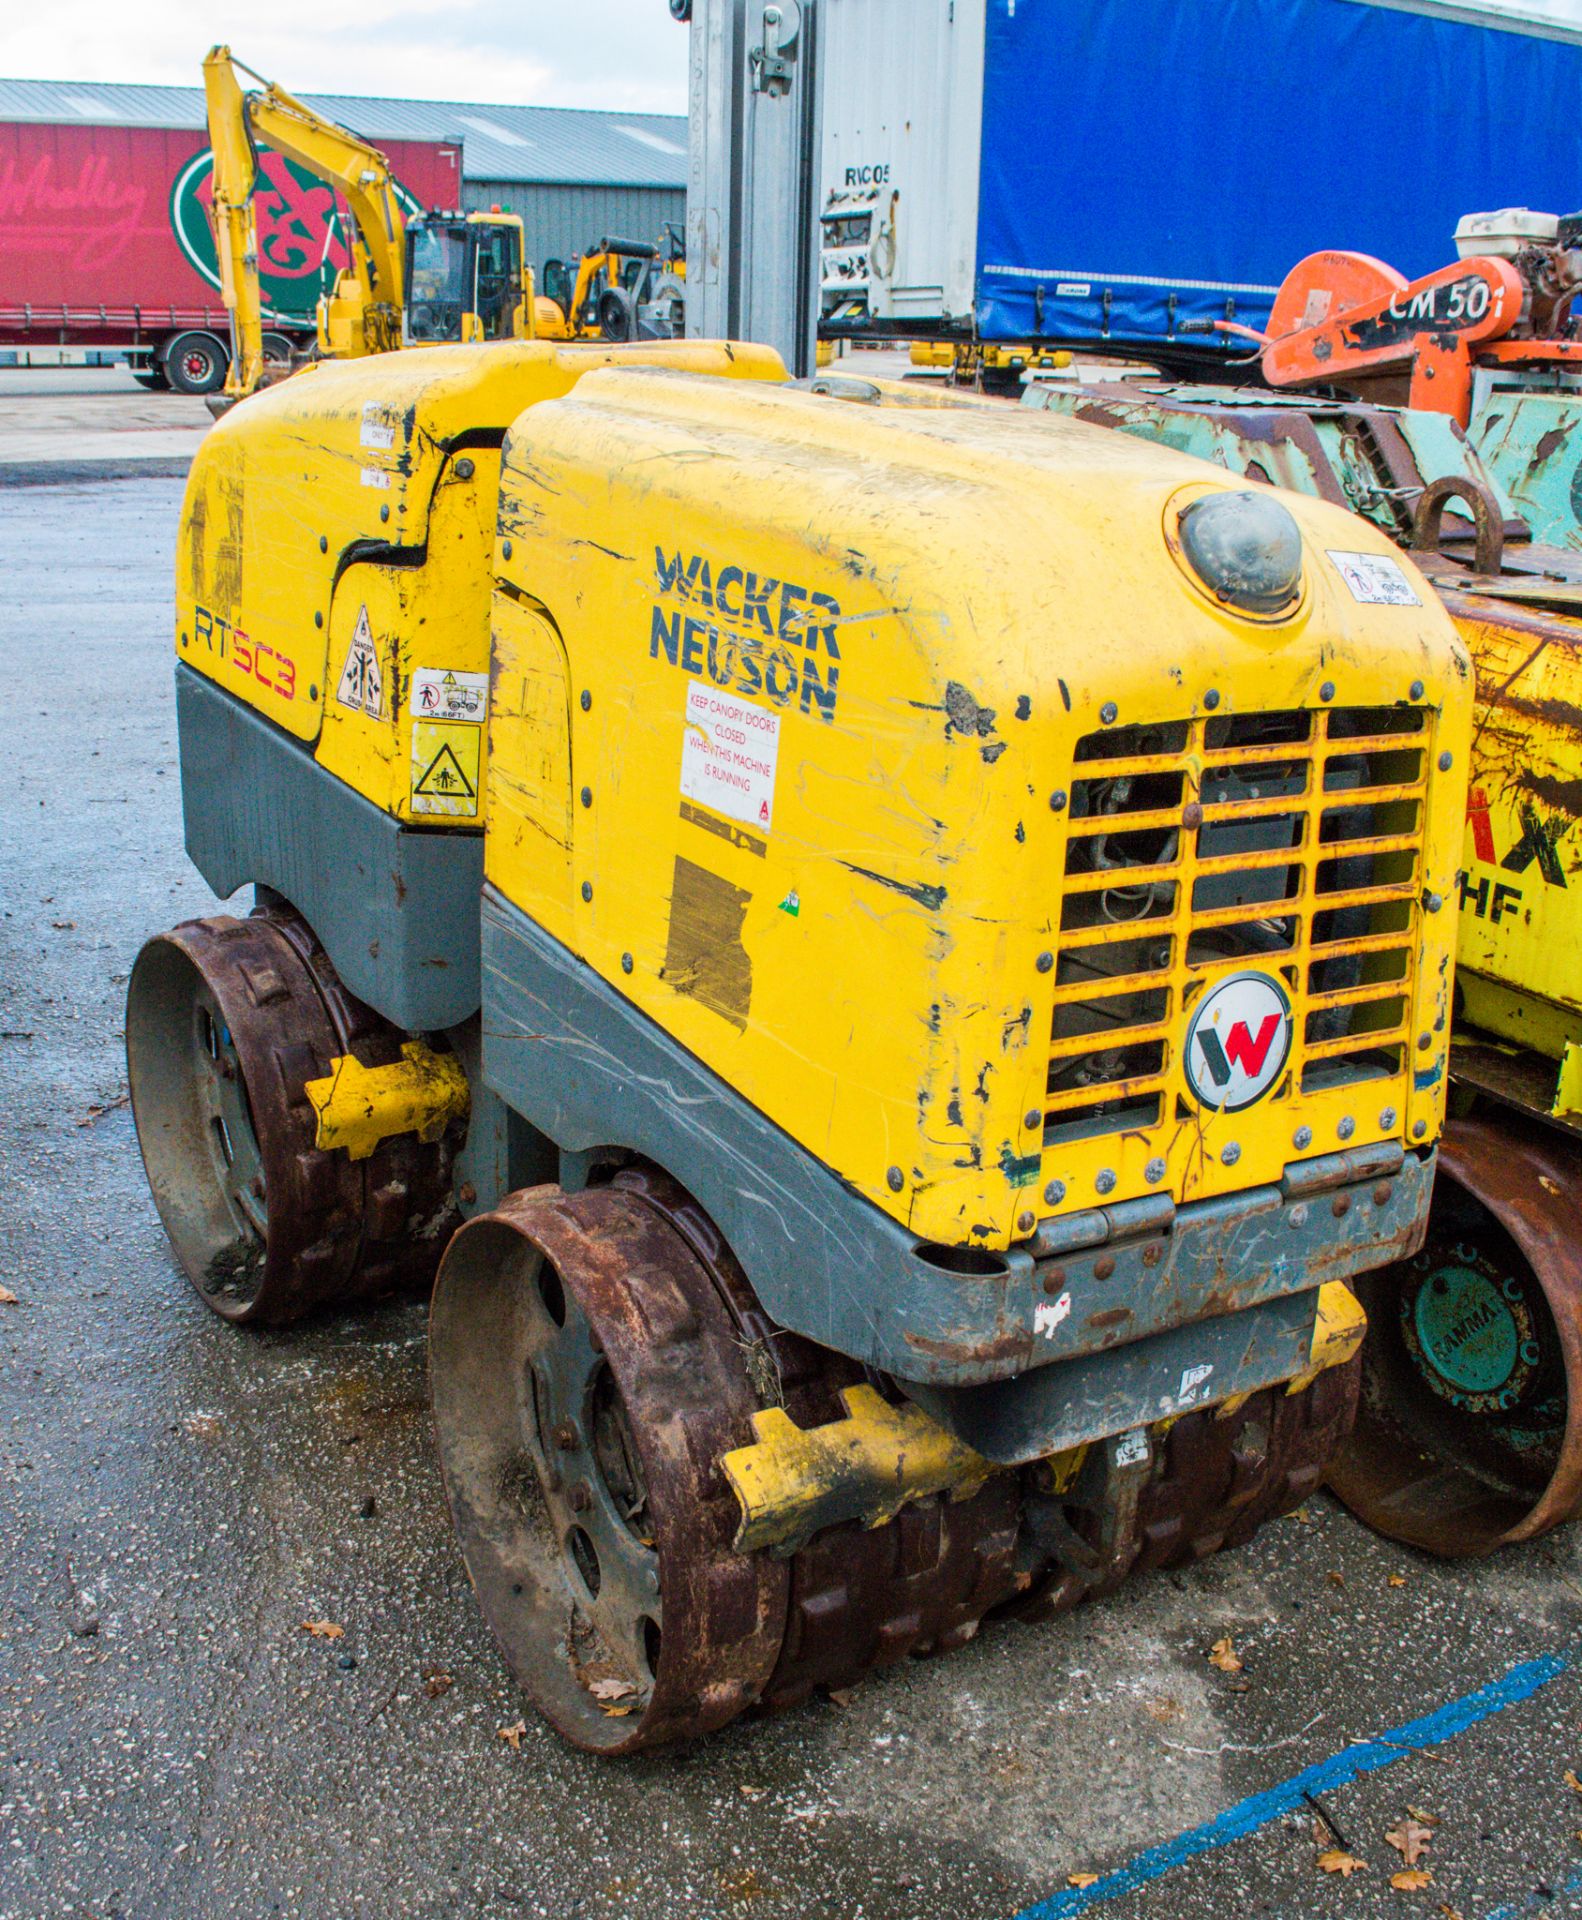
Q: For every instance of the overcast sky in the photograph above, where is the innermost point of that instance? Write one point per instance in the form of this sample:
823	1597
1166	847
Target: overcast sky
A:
559	53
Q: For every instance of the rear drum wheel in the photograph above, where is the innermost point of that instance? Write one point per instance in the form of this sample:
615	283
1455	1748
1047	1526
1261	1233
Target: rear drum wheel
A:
226	1023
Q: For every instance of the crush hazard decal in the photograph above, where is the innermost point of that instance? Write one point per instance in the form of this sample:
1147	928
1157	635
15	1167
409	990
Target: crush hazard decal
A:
1237	1042
448	712
362	686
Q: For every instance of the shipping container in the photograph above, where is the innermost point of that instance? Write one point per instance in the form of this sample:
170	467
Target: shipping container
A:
1100	172
105	242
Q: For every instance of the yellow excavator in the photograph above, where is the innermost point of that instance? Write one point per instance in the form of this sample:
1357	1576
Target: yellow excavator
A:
618	290
420	280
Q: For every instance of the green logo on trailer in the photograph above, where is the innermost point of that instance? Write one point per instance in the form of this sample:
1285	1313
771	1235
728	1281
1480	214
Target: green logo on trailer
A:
303	231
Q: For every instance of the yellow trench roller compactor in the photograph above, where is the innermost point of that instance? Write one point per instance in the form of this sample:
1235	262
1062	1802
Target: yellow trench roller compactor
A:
894	955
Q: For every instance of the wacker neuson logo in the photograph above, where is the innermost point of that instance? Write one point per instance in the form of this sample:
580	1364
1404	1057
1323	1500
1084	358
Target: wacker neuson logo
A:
1237	1042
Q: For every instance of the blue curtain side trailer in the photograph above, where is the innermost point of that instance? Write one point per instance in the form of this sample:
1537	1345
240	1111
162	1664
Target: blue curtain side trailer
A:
1103	172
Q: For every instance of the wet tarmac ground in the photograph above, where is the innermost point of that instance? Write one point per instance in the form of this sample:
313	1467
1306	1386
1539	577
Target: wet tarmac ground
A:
178	1498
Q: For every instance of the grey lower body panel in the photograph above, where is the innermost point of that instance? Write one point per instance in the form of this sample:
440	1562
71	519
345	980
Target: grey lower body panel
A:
396	908
1230	1284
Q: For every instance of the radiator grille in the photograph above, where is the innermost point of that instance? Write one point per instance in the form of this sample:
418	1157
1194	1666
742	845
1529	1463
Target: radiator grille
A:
1286	841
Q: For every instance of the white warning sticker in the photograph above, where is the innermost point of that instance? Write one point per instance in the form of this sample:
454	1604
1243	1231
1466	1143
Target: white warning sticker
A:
729	750
1131	1449
1194	1383
372	477
1048	1314
439	693
1374	579
362	686
376	432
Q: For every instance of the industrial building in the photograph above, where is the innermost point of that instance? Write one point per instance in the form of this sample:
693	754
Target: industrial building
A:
571	173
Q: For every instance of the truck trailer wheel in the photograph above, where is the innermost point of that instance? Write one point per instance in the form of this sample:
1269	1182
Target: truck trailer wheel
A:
226	1023
196	363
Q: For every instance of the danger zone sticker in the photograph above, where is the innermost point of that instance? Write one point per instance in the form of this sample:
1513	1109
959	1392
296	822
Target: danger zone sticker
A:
1374	579
729	752
446	765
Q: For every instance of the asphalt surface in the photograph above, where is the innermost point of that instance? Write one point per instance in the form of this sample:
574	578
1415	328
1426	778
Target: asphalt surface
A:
194	1494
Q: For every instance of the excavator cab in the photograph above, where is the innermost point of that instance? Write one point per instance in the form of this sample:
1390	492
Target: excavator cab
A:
464	278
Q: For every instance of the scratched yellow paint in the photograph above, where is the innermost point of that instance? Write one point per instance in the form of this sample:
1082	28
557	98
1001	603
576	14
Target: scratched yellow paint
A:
344	490
1521	899
959	594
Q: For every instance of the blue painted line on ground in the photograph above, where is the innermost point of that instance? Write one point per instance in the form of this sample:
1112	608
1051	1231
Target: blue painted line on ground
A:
1339	1770
1537	1902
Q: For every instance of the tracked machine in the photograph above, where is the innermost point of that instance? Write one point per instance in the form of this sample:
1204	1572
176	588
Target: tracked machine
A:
1470	1431
894	955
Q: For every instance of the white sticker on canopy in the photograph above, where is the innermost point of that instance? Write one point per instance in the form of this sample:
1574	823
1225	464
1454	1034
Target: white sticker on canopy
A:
1374	579
438	693
376	432
729	750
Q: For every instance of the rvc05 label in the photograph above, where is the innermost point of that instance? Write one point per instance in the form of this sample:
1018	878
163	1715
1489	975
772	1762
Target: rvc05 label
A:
729	752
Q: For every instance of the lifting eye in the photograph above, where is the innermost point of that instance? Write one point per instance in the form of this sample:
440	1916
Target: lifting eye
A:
1246	549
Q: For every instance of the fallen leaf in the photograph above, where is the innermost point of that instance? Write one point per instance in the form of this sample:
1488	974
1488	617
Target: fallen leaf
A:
1428	1819
1548	1185
1081	1879
611	1689
1572	1781
435	1683
1223	1655
1449	1913
615	1713
97	1109
1337	1579
1302	1514
8	1298
64	926
1411	1880
512	1735
1165	1709
842	1696
1396	1580
1345	1864
324	1629
752	1793
1341	1863
1410	1840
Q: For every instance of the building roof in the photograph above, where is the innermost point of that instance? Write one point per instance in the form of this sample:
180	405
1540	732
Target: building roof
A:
572	145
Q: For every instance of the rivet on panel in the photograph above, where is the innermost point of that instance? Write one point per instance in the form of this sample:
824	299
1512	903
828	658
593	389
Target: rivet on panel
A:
1302	1139
1387	1118
1044	962
1433	903
464	468
324	545
318	619
626	963
1104	1266
1025	1223
1108	713
1231	1154
1446	762
587	699
505	549
587	796
1154	1172
1034	1117
1419	1128
1055	1192
1211	698
1057	800
1417	690
587	889
1105	1183
384	511
1327	691
1346	1128
895	1179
